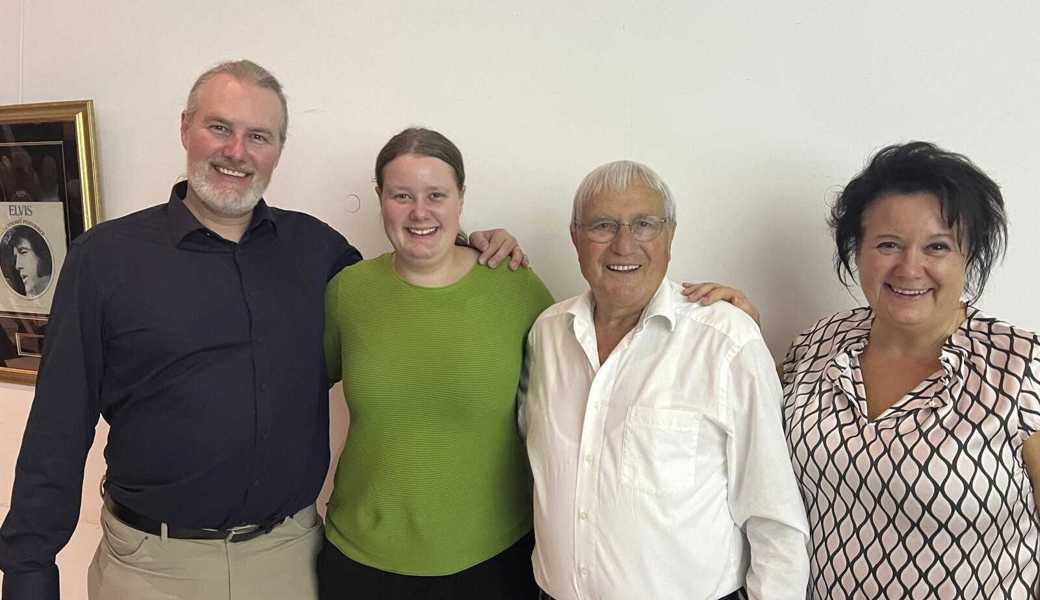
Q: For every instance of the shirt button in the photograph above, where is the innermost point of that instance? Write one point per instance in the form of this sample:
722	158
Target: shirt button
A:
583	571
588	459
584	516
256	483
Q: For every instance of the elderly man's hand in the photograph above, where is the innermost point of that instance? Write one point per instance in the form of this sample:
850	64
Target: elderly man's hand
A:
495	245
710	292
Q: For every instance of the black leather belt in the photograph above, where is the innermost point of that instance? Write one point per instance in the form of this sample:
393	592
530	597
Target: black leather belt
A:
140	522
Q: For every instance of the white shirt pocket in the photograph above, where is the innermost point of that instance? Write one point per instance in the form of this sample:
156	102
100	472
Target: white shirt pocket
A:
659	449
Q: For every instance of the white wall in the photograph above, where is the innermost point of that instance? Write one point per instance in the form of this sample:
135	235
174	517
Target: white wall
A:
755	113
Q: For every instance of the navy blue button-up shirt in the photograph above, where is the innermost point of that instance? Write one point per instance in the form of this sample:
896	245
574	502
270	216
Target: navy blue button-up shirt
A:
205	358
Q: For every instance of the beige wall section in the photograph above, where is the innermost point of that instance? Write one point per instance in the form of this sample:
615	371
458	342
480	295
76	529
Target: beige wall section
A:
10	25
755	113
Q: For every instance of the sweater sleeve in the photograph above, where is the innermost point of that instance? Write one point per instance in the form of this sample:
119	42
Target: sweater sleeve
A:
539	296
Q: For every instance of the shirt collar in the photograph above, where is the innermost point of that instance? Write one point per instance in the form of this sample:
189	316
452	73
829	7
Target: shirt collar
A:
662	304
183	222
953	355
955	352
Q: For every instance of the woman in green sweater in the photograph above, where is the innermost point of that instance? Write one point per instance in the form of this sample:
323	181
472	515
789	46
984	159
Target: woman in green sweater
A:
432	496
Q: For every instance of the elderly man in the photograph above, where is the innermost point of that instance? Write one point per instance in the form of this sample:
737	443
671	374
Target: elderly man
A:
195	328
653	424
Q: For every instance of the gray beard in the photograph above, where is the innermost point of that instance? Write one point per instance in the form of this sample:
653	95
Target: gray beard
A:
223	202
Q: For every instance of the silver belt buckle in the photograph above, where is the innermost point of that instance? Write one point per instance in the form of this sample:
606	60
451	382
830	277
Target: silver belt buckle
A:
240	530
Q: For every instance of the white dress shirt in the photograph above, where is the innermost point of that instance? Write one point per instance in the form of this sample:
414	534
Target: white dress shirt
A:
662	473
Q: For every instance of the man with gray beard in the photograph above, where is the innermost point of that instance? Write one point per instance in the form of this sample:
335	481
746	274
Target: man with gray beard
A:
194	327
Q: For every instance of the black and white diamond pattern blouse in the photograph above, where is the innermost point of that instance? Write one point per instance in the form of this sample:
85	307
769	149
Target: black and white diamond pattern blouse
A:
931	499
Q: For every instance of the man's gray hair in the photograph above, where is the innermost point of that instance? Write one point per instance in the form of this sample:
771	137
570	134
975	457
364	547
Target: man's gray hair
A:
617	177
245	71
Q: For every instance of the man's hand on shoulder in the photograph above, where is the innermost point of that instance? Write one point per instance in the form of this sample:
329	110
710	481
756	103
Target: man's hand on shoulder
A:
709	292
495	245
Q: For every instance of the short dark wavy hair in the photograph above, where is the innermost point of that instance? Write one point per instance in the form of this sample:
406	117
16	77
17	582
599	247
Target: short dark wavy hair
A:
971	205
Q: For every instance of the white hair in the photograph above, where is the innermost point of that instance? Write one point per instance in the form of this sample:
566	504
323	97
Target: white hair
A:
620	176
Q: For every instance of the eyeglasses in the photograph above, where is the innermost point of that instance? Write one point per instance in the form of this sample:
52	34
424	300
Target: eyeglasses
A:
643	229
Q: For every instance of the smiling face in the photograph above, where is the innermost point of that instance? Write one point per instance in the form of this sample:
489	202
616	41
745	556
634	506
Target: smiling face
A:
421	204
232	143
623	273
910	264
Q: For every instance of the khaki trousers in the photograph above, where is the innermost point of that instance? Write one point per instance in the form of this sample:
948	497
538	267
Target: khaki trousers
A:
130	564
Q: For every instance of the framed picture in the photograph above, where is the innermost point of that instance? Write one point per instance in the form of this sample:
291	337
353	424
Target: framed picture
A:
48	196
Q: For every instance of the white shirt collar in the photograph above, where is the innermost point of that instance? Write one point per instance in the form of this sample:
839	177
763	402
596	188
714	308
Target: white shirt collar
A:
662	304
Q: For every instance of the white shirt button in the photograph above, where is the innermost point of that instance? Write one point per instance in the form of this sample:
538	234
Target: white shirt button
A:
584	516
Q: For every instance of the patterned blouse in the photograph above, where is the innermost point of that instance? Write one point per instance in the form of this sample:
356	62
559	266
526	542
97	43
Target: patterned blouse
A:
931	499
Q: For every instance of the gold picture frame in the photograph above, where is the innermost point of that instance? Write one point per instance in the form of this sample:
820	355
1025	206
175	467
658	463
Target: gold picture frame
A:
49	195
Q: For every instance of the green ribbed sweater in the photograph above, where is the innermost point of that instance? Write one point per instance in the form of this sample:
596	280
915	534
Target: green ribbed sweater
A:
433	478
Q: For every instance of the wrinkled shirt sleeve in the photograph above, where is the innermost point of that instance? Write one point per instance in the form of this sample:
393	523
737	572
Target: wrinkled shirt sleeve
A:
763	495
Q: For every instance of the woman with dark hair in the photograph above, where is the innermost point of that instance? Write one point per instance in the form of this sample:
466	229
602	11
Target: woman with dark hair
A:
912	422
432	495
